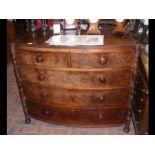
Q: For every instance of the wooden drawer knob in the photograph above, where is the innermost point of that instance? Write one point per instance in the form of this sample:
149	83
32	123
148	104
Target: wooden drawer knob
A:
41	77
102	79
46	112
101	98
103	59
39	58
44	95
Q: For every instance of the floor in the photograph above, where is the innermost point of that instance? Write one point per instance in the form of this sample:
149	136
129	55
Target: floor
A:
17	126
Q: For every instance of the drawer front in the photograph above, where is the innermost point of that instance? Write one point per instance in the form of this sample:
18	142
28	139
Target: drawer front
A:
86	117
88	79
111	58
76	98
47	59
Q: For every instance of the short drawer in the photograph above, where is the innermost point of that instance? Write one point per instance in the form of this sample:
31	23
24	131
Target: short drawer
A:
83	79
47	59
101	58
76	97
78	116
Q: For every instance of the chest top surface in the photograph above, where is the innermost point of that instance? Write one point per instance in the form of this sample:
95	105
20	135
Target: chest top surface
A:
110	41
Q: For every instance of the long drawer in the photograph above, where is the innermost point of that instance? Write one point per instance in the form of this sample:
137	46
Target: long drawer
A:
76	97
90	79
78	116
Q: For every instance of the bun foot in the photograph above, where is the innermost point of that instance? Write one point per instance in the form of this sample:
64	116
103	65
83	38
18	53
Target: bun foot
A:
126	129
28	121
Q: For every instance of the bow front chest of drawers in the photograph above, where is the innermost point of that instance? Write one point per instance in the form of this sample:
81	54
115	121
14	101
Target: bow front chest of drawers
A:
77	85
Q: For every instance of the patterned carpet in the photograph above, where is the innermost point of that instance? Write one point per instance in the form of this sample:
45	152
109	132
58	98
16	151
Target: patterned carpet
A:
17	126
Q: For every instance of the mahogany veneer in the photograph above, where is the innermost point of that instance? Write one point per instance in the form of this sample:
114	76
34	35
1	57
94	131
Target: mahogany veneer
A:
81	85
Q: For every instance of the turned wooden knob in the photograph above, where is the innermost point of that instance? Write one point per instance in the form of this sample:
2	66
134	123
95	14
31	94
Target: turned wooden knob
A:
46	112
102	79
39	58
101	98
41	77
103	59
44	94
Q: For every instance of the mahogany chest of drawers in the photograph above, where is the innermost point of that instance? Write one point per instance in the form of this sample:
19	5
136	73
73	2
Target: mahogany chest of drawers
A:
80	85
